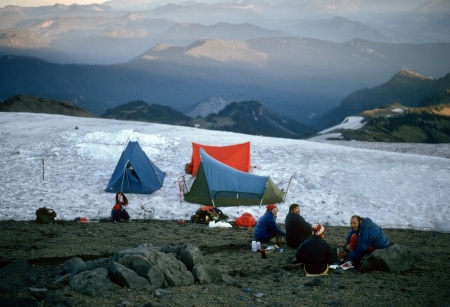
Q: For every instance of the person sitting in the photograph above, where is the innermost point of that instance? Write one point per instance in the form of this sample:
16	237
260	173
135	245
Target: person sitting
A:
364	237
119	212
315	253
266	228
297	229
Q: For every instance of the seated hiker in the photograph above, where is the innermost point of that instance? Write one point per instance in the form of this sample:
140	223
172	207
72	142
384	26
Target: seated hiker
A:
364	237
297	229
266	228
315	253
45	215
118	212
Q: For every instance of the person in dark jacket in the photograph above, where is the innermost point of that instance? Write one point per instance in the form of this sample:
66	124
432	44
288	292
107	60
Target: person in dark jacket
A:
315	253
267	228
119	212
364	237
297	229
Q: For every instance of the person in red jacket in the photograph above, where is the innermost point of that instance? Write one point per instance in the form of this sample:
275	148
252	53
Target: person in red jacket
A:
119	212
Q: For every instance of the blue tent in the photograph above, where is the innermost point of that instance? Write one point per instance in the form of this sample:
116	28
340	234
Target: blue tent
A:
135	173
218	184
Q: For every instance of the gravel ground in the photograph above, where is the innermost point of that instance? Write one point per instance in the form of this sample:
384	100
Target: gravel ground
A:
260	282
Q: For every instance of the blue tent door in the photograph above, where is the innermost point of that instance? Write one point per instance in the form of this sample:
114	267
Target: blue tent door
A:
135	173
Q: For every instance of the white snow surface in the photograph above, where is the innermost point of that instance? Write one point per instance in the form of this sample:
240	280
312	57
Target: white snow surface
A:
402	186
350	122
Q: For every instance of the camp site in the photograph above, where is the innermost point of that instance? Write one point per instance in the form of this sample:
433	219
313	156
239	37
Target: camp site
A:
68	170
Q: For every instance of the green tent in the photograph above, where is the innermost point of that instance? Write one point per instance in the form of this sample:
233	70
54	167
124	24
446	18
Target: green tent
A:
218	184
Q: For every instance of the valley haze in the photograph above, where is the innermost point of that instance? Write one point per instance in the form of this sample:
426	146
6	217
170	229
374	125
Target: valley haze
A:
298	58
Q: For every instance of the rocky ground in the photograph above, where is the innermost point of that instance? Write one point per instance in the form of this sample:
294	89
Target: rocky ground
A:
274	281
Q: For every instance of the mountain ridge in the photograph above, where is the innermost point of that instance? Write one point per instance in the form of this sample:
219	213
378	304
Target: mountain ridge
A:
390	123
407	88
32	104
302	78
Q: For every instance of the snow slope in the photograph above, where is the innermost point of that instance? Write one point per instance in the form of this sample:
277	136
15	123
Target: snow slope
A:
405	188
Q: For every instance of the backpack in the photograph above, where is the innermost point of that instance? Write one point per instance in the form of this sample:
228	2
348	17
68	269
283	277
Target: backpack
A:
208	213
45	216
188	168
245	220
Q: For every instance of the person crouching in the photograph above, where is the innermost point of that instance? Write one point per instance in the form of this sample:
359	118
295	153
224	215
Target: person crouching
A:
119	212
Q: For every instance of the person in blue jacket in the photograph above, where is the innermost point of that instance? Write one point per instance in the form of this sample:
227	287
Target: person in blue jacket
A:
297	229
267	228
315	253
364	237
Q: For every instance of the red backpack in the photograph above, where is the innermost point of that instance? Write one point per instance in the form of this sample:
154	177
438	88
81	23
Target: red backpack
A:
245	220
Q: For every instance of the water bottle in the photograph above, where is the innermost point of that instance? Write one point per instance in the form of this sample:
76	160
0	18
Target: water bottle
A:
254	247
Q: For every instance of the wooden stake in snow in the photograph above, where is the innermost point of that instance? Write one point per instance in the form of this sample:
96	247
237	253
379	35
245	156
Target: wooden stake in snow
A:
43	168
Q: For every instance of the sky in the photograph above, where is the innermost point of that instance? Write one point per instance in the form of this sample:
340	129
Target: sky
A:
28	3
47	162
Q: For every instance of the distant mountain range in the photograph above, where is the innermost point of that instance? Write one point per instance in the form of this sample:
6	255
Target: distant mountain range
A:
301	58
300	78
427	123
119	30
248	117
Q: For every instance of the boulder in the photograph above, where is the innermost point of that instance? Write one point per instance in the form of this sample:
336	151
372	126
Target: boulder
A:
93	282
159	268
127	278
74	266
207	274
189	254
396	258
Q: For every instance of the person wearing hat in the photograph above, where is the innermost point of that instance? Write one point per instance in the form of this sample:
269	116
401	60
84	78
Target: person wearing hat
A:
364	237
267	228
315	253
297	229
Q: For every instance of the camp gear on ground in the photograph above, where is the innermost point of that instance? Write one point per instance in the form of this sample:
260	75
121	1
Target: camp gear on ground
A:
245	220
206	214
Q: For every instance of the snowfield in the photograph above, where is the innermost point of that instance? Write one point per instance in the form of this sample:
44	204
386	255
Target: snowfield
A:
65	163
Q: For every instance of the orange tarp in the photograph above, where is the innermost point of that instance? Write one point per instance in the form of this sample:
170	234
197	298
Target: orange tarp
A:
236	156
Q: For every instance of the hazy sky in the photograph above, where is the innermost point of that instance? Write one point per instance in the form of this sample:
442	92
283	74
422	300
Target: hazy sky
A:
4	3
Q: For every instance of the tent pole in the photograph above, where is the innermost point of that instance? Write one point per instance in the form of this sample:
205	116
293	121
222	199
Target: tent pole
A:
123	175
181	185
264	192
287	189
